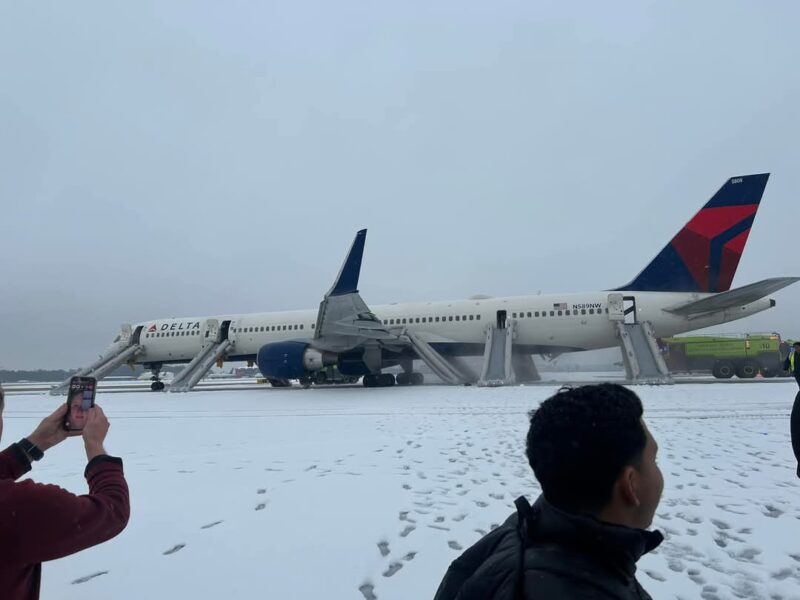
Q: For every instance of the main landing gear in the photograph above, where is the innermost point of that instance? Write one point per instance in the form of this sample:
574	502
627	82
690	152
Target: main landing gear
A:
157	385
410	379
378	380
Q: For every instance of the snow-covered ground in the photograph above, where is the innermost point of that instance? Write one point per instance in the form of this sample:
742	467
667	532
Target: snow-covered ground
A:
347	492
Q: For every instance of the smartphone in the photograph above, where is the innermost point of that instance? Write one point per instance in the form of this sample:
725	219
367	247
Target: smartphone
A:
80	398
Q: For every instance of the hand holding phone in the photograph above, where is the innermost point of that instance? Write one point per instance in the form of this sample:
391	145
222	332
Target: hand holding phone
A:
80	398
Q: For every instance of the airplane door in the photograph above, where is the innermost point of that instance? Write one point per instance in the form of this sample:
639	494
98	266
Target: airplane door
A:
211	332
223	331
616	311
137	335
629	309
501	319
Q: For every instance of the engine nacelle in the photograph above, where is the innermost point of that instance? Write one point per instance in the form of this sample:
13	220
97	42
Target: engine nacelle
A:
291	360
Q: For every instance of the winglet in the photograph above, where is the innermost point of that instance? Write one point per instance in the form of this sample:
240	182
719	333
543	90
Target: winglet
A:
347	280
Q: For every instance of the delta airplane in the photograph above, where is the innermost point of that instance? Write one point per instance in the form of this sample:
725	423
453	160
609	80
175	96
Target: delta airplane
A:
686	287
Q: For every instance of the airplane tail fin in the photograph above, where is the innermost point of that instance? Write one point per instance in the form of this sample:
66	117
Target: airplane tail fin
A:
704	255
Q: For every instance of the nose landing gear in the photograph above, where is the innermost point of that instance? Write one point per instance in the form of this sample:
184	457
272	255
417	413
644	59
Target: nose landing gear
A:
157	385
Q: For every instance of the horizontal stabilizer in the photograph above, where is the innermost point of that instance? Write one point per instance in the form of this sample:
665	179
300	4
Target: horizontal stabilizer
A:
734	298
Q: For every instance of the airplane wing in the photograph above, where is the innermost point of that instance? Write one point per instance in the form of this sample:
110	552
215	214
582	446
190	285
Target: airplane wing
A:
344	320
733	298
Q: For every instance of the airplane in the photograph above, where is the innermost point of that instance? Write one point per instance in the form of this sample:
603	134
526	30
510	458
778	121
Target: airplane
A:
687	286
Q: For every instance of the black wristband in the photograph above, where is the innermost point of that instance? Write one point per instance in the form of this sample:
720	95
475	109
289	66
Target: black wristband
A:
31	450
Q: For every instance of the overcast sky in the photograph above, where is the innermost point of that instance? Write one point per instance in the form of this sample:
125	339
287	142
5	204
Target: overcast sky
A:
181	158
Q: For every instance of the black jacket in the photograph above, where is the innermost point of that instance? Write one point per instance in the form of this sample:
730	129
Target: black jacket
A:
563	556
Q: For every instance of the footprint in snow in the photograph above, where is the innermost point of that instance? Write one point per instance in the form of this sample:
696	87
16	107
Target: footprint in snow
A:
210	525
86	578
174	549
261	506
368	591
393	568
655	575
455	545
408	529
383	546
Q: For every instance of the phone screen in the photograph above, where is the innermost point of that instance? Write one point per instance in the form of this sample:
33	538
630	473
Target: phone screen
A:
80	399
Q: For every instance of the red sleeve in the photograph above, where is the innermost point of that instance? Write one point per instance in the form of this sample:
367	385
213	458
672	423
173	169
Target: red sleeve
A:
51	522
13	463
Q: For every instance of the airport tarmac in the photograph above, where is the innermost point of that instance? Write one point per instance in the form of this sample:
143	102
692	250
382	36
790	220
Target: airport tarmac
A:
241	383
354	493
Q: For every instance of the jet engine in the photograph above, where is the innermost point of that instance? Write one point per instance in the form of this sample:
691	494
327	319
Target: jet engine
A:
292	360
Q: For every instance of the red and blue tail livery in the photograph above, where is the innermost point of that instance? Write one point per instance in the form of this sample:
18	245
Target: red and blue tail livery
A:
704	255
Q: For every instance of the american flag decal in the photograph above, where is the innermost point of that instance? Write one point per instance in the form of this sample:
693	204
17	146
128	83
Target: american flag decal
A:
560	306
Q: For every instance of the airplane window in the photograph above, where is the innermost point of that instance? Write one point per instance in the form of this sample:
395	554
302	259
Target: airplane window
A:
391	321
284	327
536	314
437	319
297	327
449	318
583	311
561	313
417	319
514	315
313	325
385	322
567	313
552	313
423	320
457	318
471	317
478	317
301	325
606	310
404	321
464	318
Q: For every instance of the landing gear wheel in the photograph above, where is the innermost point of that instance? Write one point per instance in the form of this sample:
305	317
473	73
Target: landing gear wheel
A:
404	378
386	380
157	386
305	382
379	380
417	378
747	369
723	369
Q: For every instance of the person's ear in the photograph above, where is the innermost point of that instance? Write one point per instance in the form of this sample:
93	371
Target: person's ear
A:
628	486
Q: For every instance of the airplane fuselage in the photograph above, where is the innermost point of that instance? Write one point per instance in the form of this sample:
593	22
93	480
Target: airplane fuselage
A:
544	324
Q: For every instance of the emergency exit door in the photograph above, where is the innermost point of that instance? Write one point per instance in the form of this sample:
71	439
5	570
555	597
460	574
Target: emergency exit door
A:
629	309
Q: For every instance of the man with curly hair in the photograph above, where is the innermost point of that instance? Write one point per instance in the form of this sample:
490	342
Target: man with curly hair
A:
596	462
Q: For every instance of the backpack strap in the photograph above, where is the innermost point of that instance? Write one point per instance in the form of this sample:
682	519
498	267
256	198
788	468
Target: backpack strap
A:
523	524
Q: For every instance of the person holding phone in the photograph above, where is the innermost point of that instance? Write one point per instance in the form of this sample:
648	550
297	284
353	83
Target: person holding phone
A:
41	522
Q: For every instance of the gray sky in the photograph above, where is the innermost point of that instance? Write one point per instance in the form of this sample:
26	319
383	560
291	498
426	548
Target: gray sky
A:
181	158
